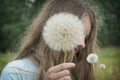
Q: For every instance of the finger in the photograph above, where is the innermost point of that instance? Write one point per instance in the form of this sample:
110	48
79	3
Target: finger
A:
61	74
65	78
61	67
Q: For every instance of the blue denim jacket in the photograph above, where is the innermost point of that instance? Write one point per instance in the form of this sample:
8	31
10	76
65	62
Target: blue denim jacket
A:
22	69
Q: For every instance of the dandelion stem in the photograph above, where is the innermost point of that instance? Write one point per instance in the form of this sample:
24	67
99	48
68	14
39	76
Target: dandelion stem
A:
93	69
102	76
65	56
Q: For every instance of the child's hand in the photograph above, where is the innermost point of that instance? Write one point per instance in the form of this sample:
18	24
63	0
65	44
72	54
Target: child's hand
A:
59	72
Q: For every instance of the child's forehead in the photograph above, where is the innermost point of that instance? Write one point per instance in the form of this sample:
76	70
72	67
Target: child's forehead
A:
87	23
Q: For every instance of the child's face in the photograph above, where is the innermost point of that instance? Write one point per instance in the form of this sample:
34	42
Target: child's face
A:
87	27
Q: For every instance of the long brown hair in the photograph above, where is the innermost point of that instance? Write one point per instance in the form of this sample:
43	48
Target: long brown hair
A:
34	44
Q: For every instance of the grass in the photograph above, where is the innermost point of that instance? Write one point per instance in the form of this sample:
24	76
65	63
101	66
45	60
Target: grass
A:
108	56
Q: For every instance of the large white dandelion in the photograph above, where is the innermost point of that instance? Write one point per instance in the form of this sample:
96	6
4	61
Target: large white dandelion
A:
63	31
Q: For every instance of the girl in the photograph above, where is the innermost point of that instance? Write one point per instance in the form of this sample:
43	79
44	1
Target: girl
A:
37	61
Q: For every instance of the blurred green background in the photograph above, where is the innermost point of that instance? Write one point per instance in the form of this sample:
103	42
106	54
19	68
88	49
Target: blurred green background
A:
16	16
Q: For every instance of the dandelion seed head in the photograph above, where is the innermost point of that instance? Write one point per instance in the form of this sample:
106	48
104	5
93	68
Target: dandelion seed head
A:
63	31
102	66
92	58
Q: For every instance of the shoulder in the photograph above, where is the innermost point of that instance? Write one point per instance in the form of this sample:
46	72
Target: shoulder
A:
20	63
24	64
19	69
9	74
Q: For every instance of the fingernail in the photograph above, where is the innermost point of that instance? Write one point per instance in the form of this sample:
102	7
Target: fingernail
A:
73	64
